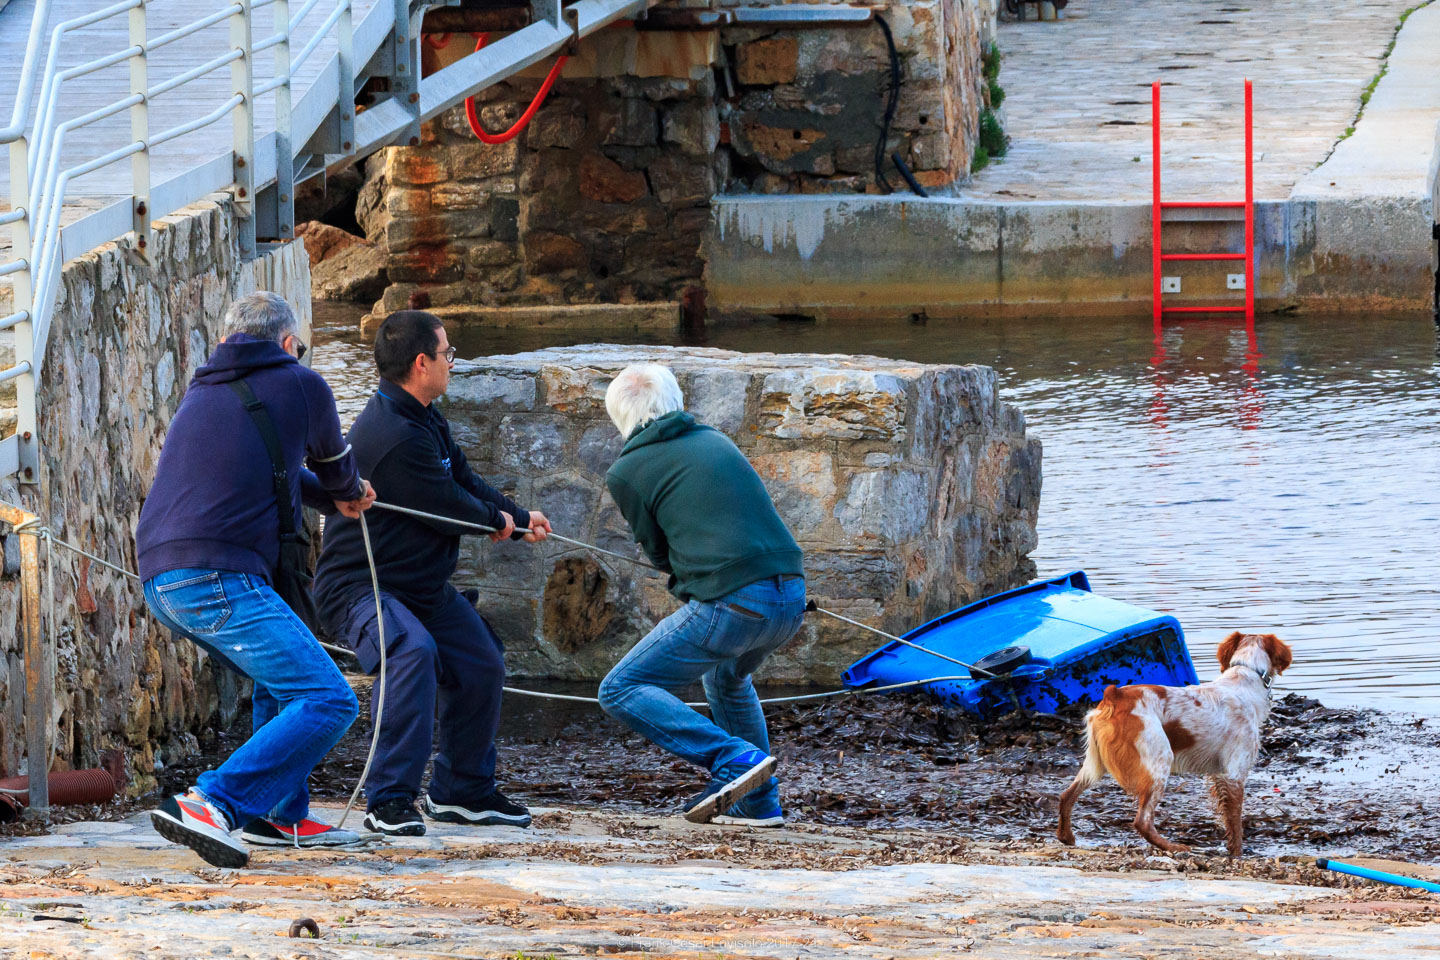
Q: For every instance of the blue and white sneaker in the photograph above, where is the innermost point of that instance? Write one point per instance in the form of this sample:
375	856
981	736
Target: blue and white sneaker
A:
729	784
764	813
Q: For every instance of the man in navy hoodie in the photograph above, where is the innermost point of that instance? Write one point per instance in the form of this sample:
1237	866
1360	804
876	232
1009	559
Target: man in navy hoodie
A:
441	654
207	544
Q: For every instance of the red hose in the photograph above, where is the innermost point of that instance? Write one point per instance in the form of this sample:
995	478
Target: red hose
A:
513	132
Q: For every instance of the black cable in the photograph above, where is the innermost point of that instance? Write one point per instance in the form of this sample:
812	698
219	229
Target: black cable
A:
909	177
891	104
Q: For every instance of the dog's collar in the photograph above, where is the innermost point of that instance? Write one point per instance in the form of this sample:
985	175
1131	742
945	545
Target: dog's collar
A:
1266	677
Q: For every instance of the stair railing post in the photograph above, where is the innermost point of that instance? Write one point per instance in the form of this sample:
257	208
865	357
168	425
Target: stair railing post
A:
140	130
345	60
39	673
1155	212
284	154
23	298
405	83
242	82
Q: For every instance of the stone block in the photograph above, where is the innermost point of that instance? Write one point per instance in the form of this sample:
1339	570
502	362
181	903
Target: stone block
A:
836	404
769	61
554	128
634	124
532	445
693	127
605	181
552	253
681	182
895	527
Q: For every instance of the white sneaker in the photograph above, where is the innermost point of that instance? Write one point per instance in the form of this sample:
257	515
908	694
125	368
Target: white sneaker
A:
197	823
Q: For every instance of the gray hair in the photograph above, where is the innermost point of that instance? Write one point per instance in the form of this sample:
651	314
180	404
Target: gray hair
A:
640	393
263	315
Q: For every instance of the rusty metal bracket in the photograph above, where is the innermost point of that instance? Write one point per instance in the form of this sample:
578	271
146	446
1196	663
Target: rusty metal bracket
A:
39	678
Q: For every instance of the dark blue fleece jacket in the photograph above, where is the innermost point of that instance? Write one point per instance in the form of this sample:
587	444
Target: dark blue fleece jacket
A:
212	505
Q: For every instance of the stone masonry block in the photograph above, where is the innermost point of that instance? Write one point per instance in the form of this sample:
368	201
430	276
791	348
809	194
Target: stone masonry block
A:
895	526
768	61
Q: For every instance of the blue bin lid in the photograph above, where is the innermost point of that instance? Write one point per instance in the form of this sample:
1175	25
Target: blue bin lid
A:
1058	619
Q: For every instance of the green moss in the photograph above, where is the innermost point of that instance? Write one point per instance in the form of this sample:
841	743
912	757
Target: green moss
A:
1369	90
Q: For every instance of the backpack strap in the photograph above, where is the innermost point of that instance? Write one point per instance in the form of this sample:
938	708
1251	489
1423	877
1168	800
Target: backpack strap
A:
278	473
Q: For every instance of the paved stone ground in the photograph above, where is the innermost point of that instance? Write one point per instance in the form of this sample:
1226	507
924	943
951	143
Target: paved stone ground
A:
1078	95
582	883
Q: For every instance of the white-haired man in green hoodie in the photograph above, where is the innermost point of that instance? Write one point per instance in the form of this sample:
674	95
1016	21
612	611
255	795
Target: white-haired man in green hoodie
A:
701	514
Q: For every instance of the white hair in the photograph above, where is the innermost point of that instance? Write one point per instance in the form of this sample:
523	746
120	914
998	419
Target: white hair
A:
263	315
640	393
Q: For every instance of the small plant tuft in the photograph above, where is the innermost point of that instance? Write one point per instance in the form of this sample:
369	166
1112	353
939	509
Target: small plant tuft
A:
990	61
992	135
997	93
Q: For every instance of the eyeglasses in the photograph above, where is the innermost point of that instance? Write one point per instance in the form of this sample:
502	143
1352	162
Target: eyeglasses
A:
449	355
300	348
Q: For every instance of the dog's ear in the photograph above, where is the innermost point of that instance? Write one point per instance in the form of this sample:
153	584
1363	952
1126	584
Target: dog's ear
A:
1227	649
1277	650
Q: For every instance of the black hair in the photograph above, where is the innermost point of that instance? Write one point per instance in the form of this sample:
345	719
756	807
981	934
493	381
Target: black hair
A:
403	336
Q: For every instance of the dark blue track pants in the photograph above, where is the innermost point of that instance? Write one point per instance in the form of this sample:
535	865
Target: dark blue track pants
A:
450	662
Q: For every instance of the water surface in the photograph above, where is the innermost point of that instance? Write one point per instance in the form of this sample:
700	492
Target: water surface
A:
1279	480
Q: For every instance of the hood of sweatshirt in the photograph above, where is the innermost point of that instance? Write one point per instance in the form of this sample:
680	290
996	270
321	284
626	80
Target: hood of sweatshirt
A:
239	355
671	425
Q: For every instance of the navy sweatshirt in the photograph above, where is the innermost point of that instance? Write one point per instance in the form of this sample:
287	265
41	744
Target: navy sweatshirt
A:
405	450
212	505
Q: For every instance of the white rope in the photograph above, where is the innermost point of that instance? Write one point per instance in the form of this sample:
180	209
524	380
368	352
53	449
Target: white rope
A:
380	687
549	535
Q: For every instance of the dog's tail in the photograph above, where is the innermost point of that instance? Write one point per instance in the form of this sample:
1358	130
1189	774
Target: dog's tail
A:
1092	771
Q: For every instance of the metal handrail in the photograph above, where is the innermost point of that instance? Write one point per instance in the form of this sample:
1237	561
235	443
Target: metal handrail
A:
190	29
322	125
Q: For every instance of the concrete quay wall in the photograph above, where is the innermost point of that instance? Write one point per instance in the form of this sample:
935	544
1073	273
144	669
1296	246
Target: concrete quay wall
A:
875	257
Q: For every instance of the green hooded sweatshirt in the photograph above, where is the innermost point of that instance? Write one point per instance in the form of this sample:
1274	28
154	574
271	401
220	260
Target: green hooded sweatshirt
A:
699	510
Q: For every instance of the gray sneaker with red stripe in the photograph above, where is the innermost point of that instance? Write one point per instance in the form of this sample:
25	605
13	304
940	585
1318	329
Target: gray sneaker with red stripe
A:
190	819
306	833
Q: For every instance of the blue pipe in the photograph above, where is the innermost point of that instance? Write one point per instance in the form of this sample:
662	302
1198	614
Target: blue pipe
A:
1368	874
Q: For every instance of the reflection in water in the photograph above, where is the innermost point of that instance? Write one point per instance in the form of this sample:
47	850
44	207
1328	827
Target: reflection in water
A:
1279	478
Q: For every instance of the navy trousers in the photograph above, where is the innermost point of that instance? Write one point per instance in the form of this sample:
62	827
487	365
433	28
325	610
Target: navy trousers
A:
451	663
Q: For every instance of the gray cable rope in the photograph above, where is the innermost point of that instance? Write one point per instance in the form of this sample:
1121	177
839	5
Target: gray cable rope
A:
641	563
380	705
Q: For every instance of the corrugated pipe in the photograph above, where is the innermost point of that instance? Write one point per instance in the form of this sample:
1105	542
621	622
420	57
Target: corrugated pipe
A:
67	788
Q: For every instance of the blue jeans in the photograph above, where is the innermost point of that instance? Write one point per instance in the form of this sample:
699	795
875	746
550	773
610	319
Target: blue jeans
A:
302	705
449	662
721	643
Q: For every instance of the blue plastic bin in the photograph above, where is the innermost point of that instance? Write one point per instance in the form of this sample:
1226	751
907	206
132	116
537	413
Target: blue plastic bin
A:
1079	642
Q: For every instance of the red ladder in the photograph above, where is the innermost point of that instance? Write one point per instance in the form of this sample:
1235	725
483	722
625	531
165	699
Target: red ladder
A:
1158	206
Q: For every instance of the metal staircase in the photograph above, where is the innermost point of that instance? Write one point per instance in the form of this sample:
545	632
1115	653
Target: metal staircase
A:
259	168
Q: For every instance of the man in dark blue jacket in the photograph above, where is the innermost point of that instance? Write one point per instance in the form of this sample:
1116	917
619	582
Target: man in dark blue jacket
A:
439	651
208	543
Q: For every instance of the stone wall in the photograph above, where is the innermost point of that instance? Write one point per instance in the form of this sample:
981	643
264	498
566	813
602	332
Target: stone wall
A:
126	339
912	489
605	196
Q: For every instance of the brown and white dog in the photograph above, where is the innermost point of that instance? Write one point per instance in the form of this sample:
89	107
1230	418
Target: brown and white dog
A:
1141	734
